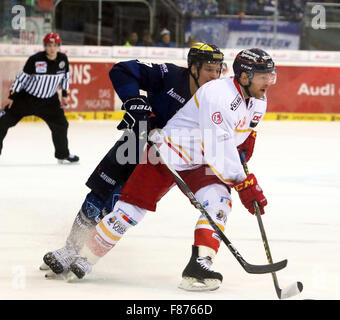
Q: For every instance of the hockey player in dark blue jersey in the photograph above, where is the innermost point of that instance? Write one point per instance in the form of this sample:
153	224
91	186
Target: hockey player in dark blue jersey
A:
168	87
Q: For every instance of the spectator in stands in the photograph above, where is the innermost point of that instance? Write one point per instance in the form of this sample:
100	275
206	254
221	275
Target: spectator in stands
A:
188	8
207	7
194	8
146	39
133	39
261	7
165	40
235	7
292	9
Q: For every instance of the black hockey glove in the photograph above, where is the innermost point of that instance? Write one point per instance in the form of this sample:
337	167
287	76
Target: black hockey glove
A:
137	109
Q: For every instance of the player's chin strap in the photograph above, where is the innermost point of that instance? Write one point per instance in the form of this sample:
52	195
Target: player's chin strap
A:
198	75
195	79
246	88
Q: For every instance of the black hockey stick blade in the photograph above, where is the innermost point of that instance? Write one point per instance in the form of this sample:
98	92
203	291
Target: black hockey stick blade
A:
266	268
252	268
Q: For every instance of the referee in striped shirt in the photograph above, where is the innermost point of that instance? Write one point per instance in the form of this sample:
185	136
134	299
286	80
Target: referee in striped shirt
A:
34	92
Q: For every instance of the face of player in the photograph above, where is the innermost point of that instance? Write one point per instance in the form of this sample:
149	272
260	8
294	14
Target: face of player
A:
260	83
209	71
51	50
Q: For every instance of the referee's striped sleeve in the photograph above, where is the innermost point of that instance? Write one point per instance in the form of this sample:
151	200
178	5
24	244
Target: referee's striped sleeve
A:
20	82
65	84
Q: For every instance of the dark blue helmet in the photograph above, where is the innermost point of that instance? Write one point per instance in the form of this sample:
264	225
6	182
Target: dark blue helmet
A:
251	61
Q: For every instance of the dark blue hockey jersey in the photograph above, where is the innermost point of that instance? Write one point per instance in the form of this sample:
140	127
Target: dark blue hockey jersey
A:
167	86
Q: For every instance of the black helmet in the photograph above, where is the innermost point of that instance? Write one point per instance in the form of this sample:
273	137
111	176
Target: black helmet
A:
202	52
251	61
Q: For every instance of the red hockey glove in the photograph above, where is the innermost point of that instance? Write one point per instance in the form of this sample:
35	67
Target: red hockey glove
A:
248	145
250	191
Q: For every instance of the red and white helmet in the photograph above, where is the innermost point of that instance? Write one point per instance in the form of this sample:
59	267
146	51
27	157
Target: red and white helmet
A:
52	38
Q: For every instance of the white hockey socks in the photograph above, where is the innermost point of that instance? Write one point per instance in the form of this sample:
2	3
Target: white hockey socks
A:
110	230
217	202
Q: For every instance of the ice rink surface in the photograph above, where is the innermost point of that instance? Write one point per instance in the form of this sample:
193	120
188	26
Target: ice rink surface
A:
296	163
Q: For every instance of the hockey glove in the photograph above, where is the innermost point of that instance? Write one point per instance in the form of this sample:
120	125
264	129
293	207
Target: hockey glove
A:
137	109
248	145
249	191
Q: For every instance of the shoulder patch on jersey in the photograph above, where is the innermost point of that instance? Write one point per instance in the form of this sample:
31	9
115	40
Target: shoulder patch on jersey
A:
255	119
235	103
217	117
61	64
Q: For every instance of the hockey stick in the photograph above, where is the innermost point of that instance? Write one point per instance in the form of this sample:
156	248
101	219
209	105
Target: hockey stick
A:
250	268
294	288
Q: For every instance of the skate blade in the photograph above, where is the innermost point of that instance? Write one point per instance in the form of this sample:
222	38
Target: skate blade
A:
67	163
71	277
50	275
44	267
192	284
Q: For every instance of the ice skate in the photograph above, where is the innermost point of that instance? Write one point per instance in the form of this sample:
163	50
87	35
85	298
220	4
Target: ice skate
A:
197	275
69	160
59	261
80	267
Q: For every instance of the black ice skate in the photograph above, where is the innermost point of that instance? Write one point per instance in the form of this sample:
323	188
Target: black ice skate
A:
80	267
197	275
70	159
59	261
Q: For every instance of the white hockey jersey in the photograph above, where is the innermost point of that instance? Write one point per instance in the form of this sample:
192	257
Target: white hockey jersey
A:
208	129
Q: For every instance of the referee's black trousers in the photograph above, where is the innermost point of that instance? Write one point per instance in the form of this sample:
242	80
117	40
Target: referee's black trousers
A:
47	109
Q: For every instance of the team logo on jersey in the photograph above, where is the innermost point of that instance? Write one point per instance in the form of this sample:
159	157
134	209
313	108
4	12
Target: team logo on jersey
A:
41	67
255	120
61	64
235	103
217	117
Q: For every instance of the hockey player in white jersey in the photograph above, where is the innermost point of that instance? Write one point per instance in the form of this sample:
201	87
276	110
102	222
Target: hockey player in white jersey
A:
202	142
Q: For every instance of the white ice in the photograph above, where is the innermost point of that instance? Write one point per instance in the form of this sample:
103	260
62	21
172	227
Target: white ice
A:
296	163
